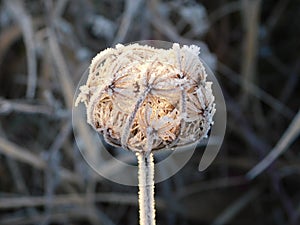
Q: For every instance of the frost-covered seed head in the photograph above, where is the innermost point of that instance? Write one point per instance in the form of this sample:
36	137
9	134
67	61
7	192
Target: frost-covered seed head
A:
135	93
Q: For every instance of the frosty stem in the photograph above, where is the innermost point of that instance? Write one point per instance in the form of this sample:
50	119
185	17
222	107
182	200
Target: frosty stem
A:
146	188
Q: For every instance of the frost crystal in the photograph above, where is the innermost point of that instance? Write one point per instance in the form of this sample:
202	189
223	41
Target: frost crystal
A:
136	92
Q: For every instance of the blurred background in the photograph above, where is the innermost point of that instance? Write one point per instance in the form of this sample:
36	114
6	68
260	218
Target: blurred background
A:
251	45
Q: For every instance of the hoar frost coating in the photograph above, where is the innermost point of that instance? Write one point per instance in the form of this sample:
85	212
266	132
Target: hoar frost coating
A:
143	98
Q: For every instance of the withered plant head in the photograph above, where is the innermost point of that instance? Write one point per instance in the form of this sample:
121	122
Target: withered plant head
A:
136	95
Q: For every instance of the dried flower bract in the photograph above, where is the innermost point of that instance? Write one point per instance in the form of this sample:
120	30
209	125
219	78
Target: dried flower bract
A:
143	98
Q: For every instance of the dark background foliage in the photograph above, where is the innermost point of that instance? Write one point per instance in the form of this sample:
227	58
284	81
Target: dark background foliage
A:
253	47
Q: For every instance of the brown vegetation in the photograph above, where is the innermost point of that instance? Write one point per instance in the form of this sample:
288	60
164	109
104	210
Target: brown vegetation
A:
45	47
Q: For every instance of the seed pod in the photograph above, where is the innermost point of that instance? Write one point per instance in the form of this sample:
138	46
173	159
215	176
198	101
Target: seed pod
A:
137	94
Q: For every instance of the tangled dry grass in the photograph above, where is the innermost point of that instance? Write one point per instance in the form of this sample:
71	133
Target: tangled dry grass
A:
253	47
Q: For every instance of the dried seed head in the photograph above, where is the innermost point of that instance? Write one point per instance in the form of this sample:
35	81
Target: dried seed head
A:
136	95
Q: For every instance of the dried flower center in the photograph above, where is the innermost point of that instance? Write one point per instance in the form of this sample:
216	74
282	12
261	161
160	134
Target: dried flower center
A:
159	115
155	112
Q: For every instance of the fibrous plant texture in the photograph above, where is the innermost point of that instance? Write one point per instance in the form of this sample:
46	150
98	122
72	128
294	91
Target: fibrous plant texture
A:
144	99
135	93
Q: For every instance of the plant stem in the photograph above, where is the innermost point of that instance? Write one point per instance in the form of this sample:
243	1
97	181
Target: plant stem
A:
146	188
